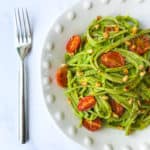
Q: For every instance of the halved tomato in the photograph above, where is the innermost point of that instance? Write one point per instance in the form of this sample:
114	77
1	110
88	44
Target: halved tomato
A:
146	102
73	44
141	44
61	76
109	29
112	59
86	103
117	108
92	125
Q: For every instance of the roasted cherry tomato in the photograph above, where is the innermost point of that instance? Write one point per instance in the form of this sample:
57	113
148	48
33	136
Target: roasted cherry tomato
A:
148	69
93	125
86	103
109	29
147	102
117	108
73	44
61	76
112	59
140	45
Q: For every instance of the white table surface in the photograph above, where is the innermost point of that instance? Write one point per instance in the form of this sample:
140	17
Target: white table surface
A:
43	133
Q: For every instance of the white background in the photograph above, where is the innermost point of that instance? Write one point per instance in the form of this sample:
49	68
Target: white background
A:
43	133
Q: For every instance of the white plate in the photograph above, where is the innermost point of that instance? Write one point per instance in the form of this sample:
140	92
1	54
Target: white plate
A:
75	21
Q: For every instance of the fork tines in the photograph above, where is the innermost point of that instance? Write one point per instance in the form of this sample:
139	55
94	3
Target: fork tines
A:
22	26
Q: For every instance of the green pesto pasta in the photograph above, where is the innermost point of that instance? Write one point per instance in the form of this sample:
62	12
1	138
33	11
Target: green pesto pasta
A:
128	85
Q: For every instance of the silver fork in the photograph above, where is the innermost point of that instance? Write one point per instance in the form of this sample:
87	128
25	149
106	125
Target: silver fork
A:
23	45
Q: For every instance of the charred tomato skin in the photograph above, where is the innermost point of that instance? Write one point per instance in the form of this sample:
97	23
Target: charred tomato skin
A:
117	108
86	103
73	44
92	125
61	76
141	44
112	59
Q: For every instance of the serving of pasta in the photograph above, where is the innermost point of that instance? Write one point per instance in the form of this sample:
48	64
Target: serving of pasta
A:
106	74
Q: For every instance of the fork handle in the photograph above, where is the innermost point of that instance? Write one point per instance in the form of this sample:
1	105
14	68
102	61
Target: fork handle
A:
22	104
